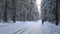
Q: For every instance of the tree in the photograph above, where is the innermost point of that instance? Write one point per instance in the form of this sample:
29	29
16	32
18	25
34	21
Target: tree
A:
14	10
56	12
5	11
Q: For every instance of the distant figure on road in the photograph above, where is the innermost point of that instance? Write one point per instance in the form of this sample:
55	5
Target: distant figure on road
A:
45	19
42	22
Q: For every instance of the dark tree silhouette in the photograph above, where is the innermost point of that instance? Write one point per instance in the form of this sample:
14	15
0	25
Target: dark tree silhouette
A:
56	12
5	12
14	10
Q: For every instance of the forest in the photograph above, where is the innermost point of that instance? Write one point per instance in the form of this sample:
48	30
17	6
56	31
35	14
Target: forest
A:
29	16
18	10
27	10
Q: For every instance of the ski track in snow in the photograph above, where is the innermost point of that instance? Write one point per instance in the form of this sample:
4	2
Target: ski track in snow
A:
29	27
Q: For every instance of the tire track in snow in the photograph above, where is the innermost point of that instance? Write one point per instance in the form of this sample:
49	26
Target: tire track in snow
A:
24	29
12	26
30	30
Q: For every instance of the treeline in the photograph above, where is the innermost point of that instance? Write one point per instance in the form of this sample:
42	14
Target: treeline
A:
18	10
49	11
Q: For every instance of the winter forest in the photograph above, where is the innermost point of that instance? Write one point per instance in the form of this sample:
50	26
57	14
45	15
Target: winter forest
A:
29	10
18	10
36	16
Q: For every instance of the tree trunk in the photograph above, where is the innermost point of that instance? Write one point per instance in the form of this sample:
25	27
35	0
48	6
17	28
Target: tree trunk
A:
56	12
5	12
14	10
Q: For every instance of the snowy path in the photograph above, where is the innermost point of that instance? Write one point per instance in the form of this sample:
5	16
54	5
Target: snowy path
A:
29	28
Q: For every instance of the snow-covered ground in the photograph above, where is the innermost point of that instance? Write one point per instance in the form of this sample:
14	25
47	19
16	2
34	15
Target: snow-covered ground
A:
29	27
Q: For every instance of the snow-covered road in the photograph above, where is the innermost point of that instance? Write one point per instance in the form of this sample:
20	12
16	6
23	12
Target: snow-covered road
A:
30	27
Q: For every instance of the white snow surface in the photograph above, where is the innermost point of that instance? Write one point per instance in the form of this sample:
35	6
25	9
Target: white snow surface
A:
29	27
